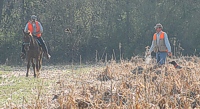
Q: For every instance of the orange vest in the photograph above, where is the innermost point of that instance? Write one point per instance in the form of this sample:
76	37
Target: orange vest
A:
162	34
161	47
30	28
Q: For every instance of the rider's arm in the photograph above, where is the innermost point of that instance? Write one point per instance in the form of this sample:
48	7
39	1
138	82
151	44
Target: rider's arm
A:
26	28
41	28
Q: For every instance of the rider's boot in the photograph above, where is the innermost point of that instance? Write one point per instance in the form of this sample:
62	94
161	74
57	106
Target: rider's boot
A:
44	48
23	53
48	56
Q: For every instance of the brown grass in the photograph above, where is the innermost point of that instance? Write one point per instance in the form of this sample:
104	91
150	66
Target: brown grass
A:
171	89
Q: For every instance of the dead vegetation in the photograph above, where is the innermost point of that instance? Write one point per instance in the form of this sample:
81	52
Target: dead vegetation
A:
117	87
105	75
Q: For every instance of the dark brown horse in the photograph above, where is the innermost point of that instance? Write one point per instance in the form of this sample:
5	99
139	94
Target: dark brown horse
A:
34	53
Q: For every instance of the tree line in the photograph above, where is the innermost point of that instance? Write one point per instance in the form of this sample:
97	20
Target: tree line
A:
99	29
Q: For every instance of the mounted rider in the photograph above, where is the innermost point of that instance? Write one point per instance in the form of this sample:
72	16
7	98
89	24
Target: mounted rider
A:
36	30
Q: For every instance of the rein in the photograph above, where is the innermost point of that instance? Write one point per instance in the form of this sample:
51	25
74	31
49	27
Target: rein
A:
29	43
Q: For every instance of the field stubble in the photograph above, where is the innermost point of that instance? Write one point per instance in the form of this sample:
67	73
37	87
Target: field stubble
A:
113	86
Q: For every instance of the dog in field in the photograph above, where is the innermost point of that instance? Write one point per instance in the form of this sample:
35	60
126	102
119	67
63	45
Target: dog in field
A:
175	65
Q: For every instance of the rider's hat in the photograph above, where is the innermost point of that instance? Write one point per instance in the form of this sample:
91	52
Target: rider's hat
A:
33	17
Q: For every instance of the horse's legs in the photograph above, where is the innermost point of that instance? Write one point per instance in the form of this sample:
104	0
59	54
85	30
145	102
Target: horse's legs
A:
37	66
40	62
33	65
28	67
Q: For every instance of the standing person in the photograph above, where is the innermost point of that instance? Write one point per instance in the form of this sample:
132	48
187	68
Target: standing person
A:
160	45
36	30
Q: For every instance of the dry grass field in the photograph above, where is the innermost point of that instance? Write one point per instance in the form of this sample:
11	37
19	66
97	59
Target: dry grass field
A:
125	85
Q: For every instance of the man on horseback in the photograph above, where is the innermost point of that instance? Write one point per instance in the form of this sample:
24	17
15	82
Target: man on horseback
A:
36	30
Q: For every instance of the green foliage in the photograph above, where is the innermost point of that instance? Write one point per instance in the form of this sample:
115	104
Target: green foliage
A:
98	24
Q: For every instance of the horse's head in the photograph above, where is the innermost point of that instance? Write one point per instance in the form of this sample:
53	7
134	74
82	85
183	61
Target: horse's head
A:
27	40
